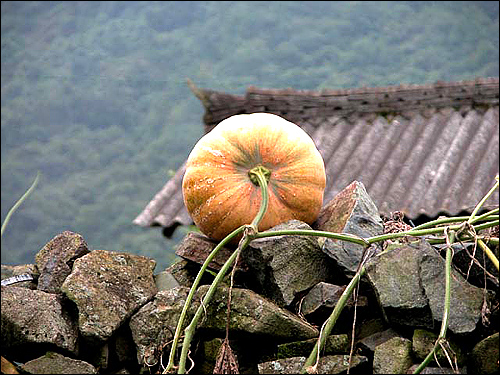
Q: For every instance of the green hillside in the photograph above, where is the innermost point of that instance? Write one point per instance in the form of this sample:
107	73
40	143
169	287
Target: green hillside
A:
94	94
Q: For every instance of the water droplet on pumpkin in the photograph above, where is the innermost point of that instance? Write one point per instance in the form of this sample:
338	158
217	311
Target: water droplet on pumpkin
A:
214	152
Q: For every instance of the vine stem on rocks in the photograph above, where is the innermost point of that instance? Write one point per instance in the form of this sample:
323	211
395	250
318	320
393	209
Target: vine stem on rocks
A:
192	291
311	361
249	231
446	311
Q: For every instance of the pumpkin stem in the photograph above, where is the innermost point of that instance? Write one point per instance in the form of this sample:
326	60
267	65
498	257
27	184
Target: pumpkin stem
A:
252	174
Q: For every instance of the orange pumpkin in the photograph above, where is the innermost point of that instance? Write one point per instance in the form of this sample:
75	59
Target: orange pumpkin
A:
218	192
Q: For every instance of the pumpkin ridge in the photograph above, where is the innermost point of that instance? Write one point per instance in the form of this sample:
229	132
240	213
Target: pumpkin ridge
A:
246	157
230	202
280	196
229	211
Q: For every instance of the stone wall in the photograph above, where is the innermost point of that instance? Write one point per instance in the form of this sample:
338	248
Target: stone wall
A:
102	311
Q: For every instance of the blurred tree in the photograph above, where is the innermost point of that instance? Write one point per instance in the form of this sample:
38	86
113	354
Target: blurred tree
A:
94	94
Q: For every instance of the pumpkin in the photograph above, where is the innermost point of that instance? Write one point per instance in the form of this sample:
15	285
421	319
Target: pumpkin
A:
218	192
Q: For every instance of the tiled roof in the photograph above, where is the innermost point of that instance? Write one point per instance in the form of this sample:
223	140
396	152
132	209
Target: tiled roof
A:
421	149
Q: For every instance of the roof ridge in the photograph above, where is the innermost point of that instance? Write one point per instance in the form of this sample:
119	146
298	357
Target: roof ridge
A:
300	105
492	82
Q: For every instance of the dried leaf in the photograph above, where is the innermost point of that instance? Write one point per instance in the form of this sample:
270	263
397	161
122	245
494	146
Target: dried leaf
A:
226	362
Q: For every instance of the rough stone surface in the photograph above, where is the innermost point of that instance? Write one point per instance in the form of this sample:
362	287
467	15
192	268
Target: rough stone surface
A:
248	351
286	266
196	247
33	316
165	280
475	270
108	287
466	299
185	271
54	363
370	326
436	370
322	294
350	211
369	343
334	344
98	317
410	284
484	356
55	260
153	326
323	297
392	356
331	364
253	314
395	275
423	342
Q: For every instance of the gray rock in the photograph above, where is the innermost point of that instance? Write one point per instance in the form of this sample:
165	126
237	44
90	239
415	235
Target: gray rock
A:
54	363
331	364
395	276
409	280
251	313
292	365
285	266
350	211
196	247
247	352
392	356
334	344
154	324
323	297
369	343
436	370
423	343
466	299
165	280
370	326
484	356
108	287
55	260
33	316
185	272
462	253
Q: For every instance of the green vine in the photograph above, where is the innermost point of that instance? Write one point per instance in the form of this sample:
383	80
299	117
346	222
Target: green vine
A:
249	231
190	296
447	297
260	175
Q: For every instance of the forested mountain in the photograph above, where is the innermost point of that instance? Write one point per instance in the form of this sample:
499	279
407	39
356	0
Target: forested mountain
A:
94	94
